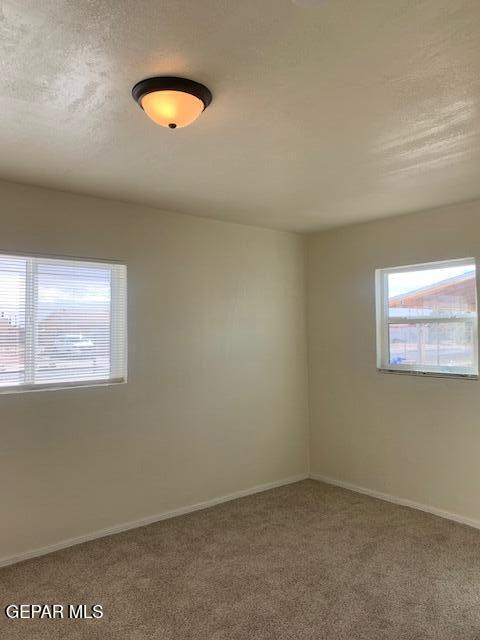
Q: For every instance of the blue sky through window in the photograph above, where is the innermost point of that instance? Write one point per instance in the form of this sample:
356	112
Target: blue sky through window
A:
408	281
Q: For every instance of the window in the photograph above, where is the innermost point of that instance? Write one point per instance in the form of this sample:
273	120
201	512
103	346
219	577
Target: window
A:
62	322
427	318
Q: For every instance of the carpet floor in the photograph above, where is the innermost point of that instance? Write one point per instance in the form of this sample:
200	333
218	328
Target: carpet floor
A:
303	562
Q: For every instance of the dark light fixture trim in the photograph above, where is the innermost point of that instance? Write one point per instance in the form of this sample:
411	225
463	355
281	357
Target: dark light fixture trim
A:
171	83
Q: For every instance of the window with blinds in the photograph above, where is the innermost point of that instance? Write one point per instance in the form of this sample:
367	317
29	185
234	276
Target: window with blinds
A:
62	322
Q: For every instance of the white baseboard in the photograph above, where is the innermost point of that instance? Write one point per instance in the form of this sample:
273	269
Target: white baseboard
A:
63	544
396	500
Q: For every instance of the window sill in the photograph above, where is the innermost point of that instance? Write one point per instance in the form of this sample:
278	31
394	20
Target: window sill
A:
61	387
430	374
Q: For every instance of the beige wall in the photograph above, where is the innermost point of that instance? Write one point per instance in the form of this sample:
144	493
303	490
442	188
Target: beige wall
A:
216	398
415	438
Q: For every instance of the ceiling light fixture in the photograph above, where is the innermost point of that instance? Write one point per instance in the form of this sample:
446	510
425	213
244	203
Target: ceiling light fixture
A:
172	102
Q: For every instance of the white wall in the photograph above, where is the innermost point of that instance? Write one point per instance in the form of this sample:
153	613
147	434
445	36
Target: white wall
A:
412	437
216	398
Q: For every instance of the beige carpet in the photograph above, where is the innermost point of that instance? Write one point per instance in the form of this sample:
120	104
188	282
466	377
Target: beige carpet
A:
307	561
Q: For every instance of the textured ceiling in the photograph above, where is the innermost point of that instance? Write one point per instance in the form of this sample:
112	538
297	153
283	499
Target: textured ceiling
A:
325	116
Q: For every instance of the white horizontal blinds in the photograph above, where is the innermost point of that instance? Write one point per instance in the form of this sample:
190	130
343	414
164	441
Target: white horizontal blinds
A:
12	320
118	323
74	322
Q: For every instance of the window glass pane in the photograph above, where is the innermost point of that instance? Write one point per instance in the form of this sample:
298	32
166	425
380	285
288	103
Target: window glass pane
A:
61	321
12	320
441	344
73	322
447	291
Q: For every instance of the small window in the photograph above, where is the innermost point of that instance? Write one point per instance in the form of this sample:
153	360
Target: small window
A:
427	318
62	323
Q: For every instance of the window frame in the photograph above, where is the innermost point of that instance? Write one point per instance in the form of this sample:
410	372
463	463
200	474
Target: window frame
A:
383	321
31	329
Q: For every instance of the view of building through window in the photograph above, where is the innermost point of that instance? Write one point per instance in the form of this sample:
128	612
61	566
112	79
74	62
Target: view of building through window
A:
430	318
60	321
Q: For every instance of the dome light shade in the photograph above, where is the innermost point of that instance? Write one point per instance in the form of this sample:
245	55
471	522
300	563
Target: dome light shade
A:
172	102
168	108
